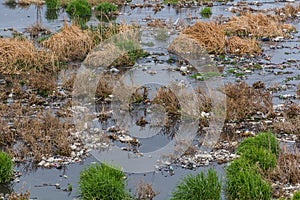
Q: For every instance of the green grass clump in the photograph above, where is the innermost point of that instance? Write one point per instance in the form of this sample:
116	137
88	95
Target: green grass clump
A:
161	34
199	187
132	52
296	196
262	140
206	12
102	182
205	76
265	158
79	9
6	167
106	8
52	9
244	182
171	2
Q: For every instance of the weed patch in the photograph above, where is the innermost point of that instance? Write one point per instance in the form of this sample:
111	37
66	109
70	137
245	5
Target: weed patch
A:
79	9
102	182
265	141
198	187
244	182
6	167
259	155
206	12
106	8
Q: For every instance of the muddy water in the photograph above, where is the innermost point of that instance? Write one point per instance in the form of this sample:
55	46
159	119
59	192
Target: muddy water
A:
41	182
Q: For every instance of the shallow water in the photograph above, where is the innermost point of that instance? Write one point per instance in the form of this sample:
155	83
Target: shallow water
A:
20	18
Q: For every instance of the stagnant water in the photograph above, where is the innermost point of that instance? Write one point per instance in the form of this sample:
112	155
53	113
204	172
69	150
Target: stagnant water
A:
41	182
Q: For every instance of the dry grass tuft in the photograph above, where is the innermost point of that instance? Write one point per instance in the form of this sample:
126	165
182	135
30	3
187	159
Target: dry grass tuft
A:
71	43
28	133
44	84
97	2
21	196
298	91
288	11
145	191
291	122
240	46
105	86
103	57
205	102
20	55
157	23
211	36
28	2
243	101
37	29
286	172
168	100
254	25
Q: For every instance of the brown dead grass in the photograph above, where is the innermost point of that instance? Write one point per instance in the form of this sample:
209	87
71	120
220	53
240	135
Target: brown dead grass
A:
212	36
291	122
254	25
157	23
105	86
97	2
20	55
20	196
28	2
240	46
36	133
205	103
44	84
145	191
298	91
243	101
288	11
103	57
209	35
168	99
286	172
70	44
